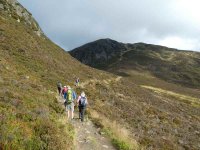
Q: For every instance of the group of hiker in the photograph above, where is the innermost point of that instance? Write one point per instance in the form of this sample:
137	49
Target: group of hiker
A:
70	99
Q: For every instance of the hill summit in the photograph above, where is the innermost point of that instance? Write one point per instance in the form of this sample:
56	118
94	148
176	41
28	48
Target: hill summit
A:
99	53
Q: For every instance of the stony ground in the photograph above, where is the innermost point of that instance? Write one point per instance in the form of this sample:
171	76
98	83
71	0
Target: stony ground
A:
87	135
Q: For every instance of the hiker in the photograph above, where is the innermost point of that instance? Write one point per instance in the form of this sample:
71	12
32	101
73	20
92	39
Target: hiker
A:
82	103
64	92
59	86
69	102
77	82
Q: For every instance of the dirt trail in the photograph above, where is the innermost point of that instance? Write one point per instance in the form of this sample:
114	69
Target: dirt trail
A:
87	135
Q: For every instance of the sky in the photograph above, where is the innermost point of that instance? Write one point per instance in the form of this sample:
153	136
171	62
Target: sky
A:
72	23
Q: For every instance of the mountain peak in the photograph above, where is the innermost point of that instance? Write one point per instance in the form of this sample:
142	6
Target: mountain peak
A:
98	52
106	40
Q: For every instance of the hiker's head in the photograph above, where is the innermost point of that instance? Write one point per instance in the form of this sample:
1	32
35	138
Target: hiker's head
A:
82	94
68	87
65	86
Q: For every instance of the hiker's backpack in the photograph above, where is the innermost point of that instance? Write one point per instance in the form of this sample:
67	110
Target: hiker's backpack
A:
69	96
59	85
82	101
74	95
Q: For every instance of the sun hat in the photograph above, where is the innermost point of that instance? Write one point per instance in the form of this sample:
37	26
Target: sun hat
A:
82	94
68	87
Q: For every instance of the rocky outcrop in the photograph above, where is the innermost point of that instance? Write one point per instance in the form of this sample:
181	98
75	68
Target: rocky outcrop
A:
99	53
15	10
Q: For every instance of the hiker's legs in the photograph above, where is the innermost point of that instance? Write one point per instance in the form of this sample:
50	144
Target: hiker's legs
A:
79	108
65	95
59	91
72	110
72	114
68	114
82	113
68	111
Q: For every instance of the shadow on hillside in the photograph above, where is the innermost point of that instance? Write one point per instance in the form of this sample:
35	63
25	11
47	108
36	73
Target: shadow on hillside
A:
122	74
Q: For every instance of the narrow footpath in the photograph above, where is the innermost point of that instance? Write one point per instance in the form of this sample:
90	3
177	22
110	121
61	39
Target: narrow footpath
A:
87	135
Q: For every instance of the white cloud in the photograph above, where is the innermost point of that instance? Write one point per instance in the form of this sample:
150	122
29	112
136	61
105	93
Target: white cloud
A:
180	43
72	23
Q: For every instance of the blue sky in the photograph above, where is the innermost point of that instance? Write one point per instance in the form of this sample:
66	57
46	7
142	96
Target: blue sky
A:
72	23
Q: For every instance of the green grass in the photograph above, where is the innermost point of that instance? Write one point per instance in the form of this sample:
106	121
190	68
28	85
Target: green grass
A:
121	145
118	136
30	67
116	141
184	98
29	110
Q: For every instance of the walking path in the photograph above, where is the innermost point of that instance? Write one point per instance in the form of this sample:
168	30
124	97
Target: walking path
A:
87	135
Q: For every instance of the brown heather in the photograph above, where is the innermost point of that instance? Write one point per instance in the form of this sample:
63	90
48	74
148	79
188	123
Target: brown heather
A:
139	111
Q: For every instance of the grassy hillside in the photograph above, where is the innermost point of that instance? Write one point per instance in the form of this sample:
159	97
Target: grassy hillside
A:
139	111
155	117
30	67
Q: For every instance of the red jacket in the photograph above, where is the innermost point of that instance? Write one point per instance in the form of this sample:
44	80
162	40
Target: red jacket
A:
64	90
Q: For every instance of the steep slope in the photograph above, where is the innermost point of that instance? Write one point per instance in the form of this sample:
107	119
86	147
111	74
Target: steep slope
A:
169	64
30	67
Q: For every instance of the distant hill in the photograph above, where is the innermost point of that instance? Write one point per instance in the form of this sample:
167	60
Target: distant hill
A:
166	63
100	53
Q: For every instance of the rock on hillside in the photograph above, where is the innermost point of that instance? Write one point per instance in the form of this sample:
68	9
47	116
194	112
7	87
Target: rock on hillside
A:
20	14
